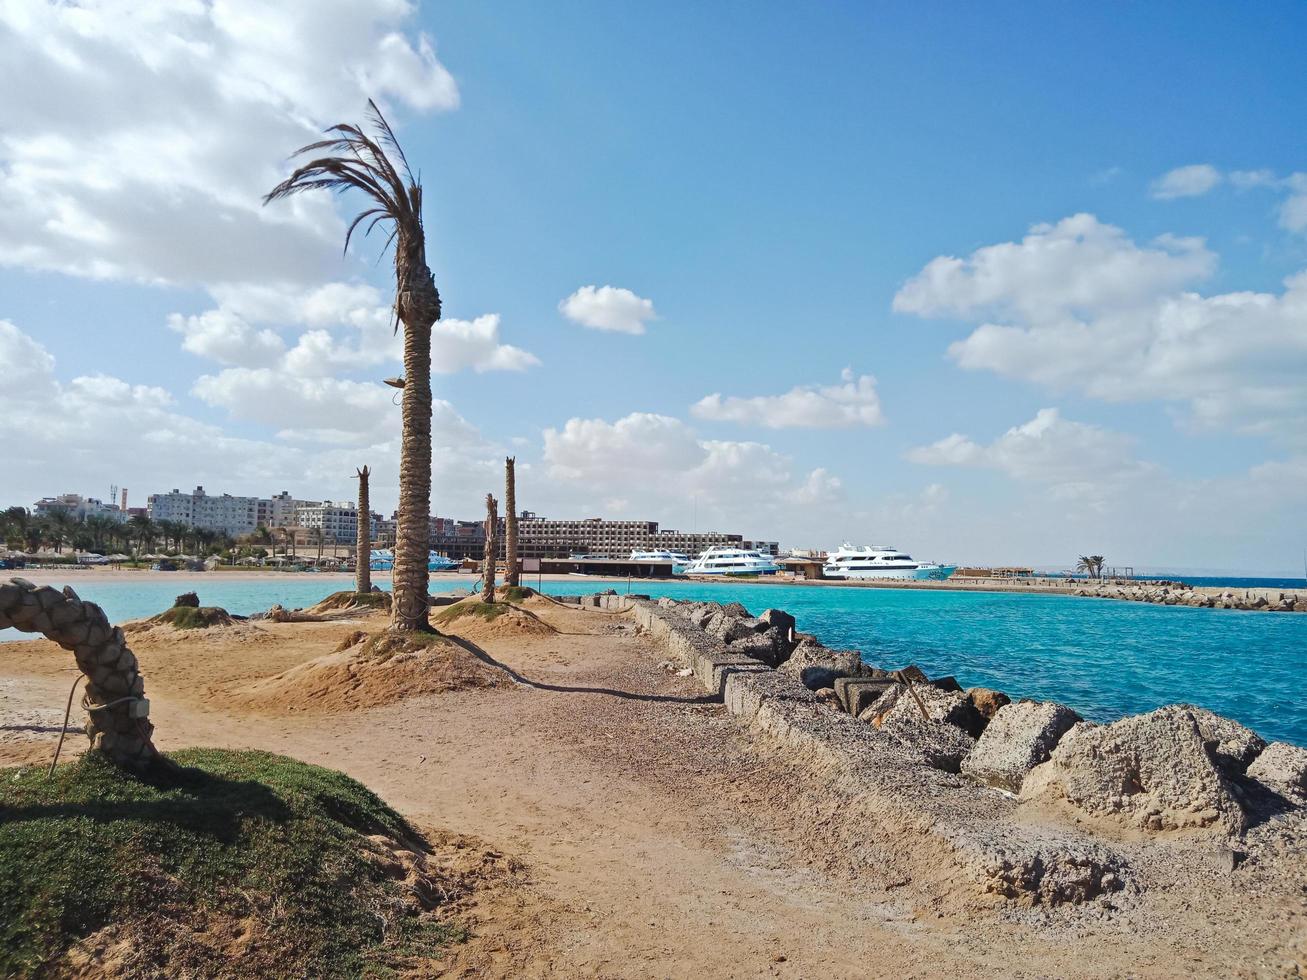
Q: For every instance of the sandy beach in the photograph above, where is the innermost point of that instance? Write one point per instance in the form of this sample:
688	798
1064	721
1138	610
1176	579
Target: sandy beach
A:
619	824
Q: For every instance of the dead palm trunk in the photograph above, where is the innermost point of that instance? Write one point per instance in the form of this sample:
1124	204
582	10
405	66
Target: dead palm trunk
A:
511	577
117	712
360	162
363	540
488	570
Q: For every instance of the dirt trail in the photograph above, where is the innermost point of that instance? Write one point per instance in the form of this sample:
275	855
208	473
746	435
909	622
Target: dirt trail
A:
655	841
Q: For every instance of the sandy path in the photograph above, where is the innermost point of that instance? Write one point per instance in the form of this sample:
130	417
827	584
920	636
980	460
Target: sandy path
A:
656	841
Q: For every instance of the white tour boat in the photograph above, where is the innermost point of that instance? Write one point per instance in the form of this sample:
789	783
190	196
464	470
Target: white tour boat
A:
881	563
732	561
679	561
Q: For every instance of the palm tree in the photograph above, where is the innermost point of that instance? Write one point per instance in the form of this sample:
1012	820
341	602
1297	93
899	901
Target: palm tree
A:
511	576
144	531
1091	565
15	524
358	162
488	569
363	541
59	528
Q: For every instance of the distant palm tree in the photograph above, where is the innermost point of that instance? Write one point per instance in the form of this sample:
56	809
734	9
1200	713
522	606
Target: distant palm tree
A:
363	541
1091	565
491	549
14	526
143	531
511	576
361	163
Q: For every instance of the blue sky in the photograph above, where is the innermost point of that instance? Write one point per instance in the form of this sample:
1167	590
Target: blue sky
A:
784	186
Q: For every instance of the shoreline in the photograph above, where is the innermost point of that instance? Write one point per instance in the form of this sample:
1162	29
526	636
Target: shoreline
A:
1202	596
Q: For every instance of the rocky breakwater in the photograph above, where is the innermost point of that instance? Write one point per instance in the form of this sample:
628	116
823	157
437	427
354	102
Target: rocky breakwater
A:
1025	799
1252	600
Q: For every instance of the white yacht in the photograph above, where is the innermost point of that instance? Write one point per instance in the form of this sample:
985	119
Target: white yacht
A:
732	561
679	561
882	562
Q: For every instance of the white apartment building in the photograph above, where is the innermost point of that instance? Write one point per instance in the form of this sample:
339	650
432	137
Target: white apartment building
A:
231	515
282	510
338	521
78	506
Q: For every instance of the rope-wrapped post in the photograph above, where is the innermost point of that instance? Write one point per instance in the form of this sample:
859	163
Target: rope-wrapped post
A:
117	722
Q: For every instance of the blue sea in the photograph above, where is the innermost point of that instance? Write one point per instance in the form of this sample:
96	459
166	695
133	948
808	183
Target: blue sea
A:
1104	658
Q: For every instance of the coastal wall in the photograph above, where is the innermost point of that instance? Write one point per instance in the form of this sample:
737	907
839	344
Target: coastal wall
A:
941	781
1159	593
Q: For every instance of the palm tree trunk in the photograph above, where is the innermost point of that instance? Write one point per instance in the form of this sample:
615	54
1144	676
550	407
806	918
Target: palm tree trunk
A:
511	577
363	542
418	306
120	729
492	548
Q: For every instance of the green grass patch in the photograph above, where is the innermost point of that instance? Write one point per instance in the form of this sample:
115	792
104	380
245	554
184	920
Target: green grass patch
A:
489	611
240	851
516	593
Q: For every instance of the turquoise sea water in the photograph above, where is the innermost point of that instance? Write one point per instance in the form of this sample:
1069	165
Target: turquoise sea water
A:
1104	658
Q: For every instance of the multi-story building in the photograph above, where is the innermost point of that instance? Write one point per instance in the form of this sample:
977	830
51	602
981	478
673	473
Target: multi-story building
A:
281	510
78	507
231	515
538	537
338	521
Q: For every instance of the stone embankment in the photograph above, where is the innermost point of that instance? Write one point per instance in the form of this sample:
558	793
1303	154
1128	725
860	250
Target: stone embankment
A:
1265	600
942	777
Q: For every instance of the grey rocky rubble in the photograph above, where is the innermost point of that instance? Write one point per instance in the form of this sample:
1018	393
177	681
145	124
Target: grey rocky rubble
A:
1178	769
117	722
1172	595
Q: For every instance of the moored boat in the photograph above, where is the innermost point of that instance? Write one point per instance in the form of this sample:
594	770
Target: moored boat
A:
881	562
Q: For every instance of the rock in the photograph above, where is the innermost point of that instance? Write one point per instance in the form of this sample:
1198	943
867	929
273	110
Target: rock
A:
735	609
946	684
1235	745
827	695
187	599
939	740
1153	771
1019	737
778	619
987	701
817	666
1282	767
727	628
945	706
859	693
769	647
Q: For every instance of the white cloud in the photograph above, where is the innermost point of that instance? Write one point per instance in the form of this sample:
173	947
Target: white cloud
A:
1056	270
1293	209
1074	459
608	308
460	344
222	336
96	430
148	131
1194	180
657	466
1094	312
351	330
854	402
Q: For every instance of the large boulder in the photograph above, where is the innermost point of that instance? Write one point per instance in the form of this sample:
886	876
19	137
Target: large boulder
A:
941	738
769	647
1019	737
735	609
187	600
1235	745
728	628
1153	771
1282	767
950	707
818	666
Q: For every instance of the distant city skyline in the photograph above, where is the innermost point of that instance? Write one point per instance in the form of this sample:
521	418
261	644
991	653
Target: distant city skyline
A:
810	274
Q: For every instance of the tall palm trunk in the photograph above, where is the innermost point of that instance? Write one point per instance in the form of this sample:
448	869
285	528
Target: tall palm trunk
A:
418	309
511	577
363	541
492	548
